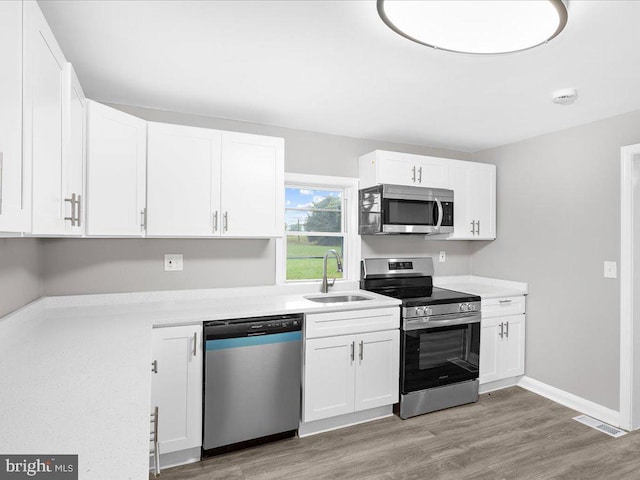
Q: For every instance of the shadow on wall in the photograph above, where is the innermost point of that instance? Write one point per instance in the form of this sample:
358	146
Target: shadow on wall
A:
83	266
19	272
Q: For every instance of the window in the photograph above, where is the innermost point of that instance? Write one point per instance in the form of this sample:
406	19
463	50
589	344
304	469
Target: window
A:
319	217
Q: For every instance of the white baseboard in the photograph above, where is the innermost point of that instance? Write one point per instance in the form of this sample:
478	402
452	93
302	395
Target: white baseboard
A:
342	421
572	401
174	459
498	385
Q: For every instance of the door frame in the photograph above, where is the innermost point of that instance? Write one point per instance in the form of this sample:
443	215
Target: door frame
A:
629	331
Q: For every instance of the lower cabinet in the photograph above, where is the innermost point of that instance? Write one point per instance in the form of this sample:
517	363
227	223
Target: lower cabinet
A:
349	373
176	387
502	347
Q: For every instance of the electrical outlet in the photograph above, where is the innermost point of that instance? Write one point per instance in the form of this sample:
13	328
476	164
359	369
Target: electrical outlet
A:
610	270
443	256
173	262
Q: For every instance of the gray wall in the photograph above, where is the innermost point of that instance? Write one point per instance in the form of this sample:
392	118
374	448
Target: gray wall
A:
19	272
122	265
558	220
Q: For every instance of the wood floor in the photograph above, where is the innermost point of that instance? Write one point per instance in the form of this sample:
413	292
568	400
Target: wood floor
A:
508	434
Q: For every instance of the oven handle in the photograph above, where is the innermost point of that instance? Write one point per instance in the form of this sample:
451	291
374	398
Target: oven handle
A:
424	323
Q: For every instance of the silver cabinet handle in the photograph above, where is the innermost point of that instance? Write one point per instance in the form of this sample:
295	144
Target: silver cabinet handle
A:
215	221
353	351
440	215
361	350
413	177
79	211
501	330
73	203
154	366
506	333
478	223
195	344
420	175
225	221
143	219
473	227
508	300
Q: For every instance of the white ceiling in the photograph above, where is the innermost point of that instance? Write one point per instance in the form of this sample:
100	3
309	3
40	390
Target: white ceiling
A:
334	67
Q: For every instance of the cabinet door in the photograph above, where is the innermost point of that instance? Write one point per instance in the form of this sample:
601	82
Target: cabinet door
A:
513	346
252	185
183	178
176	388
73	160
461	179
377	369
490	350
43	127
483	194
396	170
413	170
14	211
116	156
329	376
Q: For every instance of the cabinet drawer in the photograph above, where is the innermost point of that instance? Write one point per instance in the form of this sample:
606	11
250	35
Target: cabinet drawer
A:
353	321
498	307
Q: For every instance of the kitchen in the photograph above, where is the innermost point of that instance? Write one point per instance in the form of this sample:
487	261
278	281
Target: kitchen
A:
565	161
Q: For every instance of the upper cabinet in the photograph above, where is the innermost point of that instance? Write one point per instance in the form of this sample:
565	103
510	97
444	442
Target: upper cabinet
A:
474	204
44	72
396	168
116	172
252	185
14	199
183	181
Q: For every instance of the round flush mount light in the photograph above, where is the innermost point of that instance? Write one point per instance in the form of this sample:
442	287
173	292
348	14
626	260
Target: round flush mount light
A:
564	96
476	26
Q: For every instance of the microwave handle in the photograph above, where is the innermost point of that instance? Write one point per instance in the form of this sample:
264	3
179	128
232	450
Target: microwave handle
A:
440	214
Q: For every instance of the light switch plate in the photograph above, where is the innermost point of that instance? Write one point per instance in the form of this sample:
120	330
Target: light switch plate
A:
443	256
610	270
173	262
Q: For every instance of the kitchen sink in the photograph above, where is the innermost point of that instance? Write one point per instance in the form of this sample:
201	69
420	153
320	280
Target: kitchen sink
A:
338	298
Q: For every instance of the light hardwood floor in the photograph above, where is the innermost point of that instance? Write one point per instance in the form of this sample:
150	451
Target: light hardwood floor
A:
508	434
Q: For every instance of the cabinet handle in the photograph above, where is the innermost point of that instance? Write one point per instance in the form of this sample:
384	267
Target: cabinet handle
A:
195	344
473	227
413	177
501	330
361	350
79	211
143	219
225	218
215	221
72	201
353	351
508	300
478	223
154	366
420	175
506	333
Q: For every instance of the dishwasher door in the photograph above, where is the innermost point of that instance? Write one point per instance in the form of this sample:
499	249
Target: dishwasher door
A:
252	379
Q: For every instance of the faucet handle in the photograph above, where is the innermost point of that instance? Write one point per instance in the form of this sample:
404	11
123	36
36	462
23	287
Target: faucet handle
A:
333	282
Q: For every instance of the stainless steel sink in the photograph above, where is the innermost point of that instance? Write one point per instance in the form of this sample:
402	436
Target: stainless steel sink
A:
337	298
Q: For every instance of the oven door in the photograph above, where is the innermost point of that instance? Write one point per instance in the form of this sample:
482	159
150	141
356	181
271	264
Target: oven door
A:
432	357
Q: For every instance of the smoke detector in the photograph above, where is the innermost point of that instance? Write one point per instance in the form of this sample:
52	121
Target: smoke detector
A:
565	96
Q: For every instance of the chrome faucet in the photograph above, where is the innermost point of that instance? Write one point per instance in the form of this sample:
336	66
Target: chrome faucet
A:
325	283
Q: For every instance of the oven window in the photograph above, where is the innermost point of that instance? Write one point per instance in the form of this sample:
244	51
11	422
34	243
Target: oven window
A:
440	356
410	212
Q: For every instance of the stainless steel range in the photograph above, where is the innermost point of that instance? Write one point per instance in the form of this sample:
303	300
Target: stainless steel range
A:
440	334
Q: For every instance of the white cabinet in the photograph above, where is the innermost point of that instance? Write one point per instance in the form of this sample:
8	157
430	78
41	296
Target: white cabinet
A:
397	168
116	172
14	199
502	339
176	386
73	161
353	372
183	181
211	183
474	187
252	185
44	66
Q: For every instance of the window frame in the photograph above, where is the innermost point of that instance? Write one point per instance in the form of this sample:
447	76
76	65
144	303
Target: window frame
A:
352	243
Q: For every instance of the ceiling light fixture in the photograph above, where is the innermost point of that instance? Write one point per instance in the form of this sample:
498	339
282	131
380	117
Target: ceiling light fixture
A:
476	26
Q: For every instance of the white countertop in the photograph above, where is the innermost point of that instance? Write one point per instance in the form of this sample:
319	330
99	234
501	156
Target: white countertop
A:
75	371
483	286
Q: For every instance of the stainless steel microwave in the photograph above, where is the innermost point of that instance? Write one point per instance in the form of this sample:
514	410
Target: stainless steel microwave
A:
387	209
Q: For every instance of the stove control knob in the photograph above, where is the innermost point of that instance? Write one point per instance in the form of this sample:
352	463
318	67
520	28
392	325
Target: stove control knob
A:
464	307
472	307
420	311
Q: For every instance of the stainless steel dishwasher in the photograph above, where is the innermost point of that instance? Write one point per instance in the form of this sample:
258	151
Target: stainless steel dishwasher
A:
252	381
